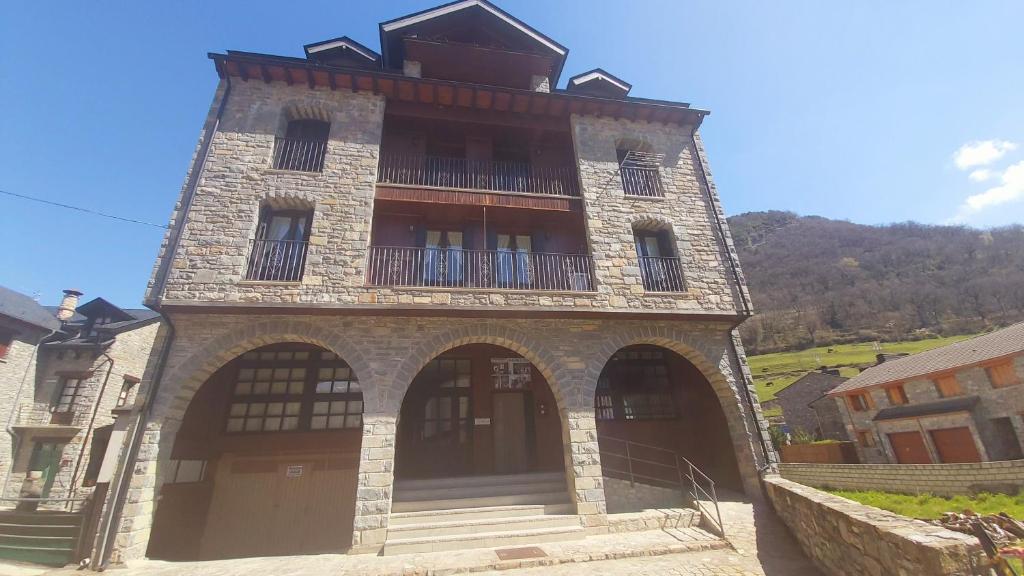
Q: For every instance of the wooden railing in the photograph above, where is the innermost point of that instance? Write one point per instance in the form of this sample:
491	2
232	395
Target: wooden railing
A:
457	268
490	175
276	260
641	182
657	466
299	154
662	274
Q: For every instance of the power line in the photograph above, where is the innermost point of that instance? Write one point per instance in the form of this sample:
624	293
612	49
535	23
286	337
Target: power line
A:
80	209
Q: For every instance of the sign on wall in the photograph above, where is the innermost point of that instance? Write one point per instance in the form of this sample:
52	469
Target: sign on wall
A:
511	373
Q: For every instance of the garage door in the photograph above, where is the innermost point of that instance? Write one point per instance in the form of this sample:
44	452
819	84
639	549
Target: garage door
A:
955	445
909	448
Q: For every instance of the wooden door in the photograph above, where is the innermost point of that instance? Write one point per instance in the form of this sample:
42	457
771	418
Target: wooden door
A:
955	445
909	448
280	505
509	425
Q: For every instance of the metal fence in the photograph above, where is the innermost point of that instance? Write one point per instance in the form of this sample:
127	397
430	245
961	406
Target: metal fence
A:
454	267
276	260
662	274
299	154
494	175
641	182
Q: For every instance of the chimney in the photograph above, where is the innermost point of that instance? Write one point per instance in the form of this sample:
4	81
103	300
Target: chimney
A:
68	305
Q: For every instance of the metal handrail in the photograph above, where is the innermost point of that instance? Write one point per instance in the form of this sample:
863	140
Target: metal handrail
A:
463	173
455	267
276	260
689	483
299	154
662	273
641	181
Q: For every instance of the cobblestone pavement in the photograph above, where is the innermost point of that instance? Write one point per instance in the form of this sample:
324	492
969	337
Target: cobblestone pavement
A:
760	546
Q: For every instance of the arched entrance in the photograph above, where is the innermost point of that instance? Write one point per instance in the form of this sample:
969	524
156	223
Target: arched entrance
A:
478	409
266	459
650	405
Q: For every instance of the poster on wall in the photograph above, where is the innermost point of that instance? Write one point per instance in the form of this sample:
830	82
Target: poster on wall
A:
511	373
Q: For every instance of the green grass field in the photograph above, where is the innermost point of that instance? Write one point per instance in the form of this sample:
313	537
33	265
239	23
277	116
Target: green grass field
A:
773	372
929	507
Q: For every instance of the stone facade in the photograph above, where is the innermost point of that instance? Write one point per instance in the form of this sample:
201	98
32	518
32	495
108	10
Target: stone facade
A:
843	537
103	373
622	497
994	403
387	352
17	377
941	479
807	409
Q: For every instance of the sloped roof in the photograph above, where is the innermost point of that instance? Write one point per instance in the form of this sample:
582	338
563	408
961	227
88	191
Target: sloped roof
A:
599	81
1005	342
23	308
816	380
340	47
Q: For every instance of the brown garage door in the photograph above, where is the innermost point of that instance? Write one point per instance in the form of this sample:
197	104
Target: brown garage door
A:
909	448
955	445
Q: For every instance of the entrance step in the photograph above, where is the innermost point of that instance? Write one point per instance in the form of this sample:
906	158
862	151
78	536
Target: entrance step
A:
443	514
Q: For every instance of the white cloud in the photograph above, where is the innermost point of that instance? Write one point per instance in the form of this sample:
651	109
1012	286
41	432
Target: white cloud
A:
1011	189
981	175
981	153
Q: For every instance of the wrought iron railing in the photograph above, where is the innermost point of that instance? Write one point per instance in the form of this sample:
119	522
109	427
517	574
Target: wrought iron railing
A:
491	175
662	274
299	154
457	268
657	466
276	260
641	182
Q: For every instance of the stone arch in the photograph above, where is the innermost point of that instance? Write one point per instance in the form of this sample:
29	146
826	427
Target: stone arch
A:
738	417
636	143
288	200
483	333
304	110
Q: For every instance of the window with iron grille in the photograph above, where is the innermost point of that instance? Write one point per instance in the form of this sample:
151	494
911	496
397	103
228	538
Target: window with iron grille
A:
636	385
70	390
303	146
640	173
280	247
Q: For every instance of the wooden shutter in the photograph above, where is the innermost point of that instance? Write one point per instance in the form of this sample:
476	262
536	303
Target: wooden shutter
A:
948	386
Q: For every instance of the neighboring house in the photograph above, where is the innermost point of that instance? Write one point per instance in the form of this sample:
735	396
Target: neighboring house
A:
428	278
66	369
806	406
959	403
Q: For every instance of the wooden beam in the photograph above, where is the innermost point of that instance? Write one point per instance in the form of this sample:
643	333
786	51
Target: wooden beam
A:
242	72
265	74
412	109
309	79
288	76
332	81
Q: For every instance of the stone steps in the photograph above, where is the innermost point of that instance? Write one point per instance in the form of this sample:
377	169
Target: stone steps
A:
480	512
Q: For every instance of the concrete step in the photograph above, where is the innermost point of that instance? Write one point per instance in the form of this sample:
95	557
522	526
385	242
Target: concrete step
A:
493	480
536	498
481	540
480	513
410	495
482	525
39	529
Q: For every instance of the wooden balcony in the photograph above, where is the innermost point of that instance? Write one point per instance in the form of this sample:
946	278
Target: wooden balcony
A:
484	269
479	175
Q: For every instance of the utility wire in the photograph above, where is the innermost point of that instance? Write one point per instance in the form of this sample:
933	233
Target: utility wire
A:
80	209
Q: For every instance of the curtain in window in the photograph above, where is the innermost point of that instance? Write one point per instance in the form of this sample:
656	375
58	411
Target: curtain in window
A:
432	257
504	268
455	257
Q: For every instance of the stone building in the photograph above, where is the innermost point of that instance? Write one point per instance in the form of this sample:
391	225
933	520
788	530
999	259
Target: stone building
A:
424	299
806	405
958	403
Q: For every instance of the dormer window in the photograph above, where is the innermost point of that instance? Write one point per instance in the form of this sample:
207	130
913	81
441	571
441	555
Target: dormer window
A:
303	146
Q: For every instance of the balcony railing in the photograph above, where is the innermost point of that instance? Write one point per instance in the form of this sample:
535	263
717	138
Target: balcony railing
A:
457	268
641	182
276	260
298	154
490	175
661	274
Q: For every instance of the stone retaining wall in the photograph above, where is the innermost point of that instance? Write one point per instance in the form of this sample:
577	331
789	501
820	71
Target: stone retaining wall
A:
843	537
621	496
939	479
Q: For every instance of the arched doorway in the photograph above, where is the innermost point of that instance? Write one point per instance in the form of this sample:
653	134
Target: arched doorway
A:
478	409
650	405
265	461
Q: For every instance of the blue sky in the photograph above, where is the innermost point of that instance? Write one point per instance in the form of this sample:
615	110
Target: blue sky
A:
873	112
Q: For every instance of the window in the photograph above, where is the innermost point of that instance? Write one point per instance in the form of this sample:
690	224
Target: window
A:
303	146
948	386
1002	375
659	267
293	388
635	386
858	402
442	258
279	250
897	395
6	337
513	266
865	438
182	471
446	411
126	390
70	389
639	172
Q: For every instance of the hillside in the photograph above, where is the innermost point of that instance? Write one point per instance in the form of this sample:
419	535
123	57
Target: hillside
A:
816	281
